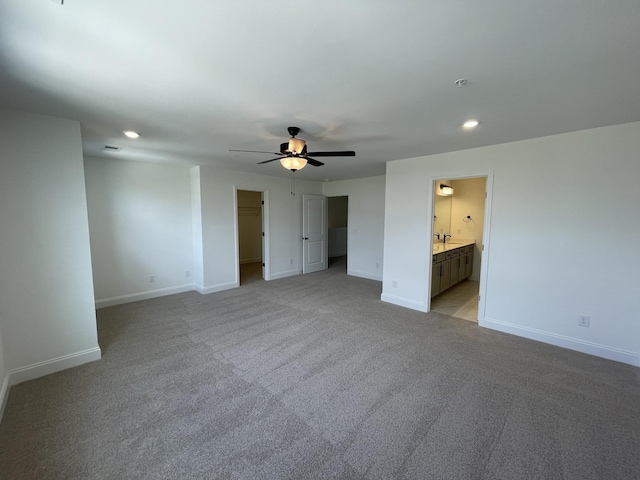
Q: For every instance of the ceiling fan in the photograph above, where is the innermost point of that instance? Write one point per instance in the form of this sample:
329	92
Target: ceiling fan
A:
293	154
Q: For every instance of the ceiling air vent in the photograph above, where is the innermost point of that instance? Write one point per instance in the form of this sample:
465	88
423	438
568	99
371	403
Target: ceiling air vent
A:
111	148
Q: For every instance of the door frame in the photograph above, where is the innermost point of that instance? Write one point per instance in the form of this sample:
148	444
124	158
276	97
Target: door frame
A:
266	244
486	234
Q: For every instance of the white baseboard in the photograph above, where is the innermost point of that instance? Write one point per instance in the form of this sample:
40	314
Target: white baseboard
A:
370	276
54	365
403	302
286	273
4	395
135	297
215	288
599	350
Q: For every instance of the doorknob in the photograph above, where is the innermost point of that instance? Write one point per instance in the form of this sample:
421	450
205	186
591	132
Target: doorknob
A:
305	238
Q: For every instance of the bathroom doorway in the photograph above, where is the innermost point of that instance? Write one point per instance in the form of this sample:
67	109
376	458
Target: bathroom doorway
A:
458	231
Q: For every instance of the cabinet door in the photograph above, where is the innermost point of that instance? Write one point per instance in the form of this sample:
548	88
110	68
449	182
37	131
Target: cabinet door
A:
455	270
445	278
462	267
469	265
435	278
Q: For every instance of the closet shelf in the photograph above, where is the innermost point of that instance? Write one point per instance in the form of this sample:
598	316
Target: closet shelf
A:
249	211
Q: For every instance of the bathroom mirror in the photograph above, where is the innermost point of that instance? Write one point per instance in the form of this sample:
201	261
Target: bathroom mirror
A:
442	214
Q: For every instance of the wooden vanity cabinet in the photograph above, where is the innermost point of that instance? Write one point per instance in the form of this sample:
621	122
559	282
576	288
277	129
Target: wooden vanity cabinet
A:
449	268
440	273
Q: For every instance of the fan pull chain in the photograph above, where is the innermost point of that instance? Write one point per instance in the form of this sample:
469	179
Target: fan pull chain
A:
293	183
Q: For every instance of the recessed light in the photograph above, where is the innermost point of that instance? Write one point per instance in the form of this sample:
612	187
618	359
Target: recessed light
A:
131	134
470	124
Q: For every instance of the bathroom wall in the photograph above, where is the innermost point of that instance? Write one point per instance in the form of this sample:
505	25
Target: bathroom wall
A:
468	200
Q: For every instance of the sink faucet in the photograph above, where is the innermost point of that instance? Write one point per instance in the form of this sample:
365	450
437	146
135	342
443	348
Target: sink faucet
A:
444	237
437	235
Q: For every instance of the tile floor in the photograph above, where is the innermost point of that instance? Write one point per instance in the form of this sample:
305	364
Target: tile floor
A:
460	301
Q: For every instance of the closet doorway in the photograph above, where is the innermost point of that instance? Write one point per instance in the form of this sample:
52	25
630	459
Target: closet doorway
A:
250	236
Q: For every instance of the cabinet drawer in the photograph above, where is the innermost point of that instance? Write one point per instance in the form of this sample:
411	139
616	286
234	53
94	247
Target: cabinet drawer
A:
440	257
456	252
468	249
448	255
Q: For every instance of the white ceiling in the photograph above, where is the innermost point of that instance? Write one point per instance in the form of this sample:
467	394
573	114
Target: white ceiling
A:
199	77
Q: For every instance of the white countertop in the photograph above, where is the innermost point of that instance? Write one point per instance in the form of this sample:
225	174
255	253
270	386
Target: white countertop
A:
451	245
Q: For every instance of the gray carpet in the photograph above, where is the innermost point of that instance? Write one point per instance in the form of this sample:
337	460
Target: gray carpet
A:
313	377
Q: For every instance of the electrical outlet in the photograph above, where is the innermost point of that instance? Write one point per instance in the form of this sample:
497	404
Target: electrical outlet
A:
152	278
187	273
584	320
291	261
394	283
377	265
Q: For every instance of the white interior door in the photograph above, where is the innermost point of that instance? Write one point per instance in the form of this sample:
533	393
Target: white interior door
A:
314	233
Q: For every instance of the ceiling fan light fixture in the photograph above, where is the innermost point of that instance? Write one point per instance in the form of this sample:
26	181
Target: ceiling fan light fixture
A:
469	124
293	163
296	145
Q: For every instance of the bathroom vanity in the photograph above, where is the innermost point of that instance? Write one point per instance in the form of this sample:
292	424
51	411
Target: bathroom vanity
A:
451	263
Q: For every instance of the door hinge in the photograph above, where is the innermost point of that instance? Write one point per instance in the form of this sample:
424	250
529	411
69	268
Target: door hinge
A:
263	264
263	234
262	202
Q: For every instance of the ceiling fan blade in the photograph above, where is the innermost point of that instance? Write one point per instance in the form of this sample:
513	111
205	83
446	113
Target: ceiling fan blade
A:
255	151
313	162
348	153
272	160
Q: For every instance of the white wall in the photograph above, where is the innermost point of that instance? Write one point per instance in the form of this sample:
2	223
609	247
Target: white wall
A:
562	242
283	213
366	223
140	225
47	315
